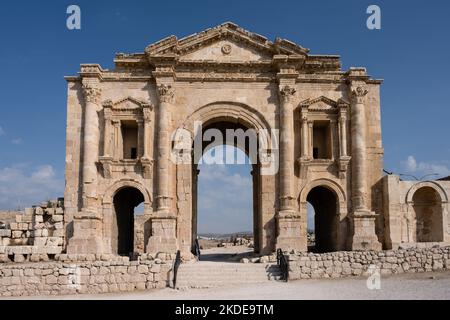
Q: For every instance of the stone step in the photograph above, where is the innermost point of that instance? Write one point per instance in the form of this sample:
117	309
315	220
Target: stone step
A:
212	274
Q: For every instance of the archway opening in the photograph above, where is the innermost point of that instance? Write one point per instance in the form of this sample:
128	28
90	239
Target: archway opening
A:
123	235
428	213
225	196
322	220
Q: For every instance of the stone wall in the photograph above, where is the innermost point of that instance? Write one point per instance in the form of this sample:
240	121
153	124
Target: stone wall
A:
34	234
96	274
352	263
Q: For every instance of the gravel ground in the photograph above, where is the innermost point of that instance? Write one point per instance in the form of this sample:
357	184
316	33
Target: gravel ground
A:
435	286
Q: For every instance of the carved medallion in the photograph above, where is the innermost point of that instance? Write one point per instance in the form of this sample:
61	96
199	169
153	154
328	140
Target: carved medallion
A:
226	49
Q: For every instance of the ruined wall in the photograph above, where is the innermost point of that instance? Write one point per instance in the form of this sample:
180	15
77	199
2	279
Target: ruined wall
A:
73	274
34	235
401	215
352	263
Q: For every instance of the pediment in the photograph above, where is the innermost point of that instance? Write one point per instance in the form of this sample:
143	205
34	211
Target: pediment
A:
321	103
226	42
128	103
226	50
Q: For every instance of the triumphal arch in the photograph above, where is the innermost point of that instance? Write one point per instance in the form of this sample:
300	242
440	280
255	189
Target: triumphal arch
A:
324	145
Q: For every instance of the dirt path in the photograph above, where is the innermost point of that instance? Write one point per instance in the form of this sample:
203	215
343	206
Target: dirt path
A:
404	286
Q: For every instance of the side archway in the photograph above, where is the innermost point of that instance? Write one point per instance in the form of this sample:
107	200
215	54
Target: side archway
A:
120	231
331	225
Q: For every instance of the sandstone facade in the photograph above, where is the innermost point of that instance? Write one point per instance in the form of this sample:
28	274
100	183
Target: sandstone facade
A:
120	150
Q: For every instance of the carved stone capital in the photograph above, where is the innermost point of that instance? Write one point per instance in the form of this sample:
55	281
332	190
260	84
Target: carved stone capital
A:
359	94
91	93
166	93
287	93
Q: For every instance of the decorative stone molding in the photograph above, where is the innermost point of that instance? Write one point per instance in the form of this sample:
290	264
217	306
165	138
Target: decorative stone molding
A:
359	94
147	167
106	165
166	93
226	49
91	93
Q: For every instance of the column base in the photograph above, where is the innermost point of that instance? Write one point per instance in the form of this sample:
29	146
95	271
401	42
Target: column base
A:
290	233
163	236
88	245
87	234
364	237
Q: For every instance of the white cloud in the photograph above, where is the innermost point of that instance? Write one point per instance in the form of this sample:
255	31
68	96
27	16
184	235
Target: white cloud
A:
225	195
2	132
22	185
17	141
421	168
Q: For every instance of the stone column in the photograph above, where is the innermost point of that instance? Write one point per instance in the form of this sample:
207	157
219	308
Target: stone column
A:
147	131
107	134
311	138
92	96
287	149
87	224
166	94
359	163
116	152
163	238
305	137
343	134
140	139
364	237
289	222
333	138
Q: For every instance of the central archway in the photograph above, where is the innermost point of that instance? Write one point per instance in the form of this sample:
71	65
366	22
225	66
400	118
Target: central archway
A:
220	116
224	126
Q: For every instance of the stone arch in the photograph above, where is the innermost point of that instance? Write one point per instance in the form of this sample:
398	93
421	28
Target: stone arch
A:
427	215
330	184
109	214
342	225
227	110
431	184
126	183
237	112
234	113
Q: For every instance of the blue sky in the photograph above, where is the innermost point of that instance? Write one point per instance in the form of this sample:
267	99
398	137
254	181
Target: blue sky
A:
410	52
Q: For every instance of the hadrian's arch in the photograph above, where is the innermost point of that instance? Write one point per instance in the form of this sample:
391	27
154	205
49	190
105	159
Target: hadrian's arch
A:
222	116
120	124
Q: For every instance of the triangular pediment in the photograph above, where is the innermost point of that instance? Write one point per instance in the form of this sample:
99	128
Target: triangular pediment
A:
227	42
128	103
319	104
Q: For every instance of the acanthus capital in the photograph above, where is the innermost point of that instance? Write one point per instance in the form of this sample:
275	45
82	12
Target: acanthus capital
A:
287	92
358	94
166	92
91	93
